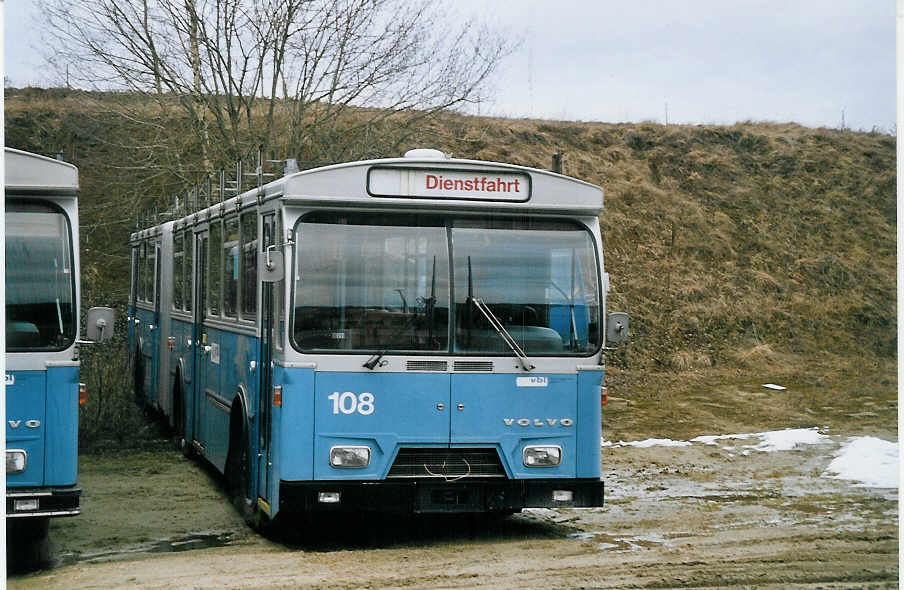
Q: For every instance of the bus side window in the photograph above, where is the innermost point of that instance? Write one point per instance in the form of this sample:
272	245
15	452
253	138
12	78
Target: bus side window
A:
148	272
188	269
215	268
143	272
158	252
230	266
248	293
178	276
134	288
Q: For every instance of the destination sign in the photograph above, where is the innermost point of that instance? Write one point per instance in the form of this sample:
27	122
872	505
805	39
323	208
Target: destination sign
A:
449	184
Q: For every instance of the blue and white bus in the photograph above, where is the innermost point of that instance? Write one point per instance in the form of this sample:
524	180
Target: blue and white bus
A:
417	334
42	330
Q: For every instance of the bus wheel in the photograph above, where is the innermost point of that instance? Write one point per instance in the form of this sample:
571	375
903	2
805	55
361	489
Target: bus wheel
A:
238	468
28	544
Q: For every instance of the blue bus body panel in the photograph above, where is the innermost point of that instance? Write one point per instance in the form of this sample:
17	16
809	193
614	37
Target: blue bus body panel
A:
293	425
589	423
502	411
513	411
227	376
61	432
26	424
403	410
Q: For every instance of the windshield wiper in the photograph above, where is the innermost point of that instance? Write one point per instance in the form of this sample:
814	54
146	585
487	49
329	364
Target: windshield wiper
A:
503	333
374	360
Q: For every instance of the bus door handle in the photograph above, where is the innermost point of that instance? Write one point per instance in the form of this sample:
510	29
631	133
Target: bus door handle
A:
440	407
252	365
206	348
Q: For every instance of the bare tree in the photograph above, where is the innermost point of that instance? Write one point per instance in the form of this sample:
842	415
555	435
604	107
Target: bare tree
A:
319	79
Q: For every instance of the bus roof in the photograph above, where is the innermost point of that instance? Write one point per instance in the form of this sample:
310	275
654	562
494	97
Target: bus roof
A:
27	172
418	181
438	183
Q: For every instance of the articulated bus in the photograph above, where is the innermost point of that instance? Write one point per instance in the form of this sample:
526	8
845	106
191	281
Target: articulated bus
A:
42	366
417	334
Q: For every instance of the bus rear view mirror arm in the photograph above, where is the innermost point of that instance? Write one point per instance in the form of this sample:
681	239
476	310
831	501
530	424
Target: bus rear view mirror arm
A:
271	264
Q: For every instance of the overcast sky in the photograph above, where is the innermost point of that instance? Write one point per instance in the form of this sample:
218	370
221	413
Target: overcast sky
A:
702	61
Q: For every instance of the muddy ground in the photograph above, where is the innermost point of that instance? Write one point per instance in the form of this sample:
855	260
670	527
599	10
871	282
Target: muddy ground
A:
687	517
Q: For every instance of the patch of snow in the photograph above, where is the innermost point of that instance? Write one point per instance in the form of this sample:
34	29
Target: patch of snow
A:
710	439
871	461
645	444
776	440
654	442
785	440
774	386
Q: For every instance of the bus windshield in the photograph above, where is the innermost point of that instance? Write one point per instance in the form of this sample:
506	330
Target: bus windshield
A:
371	283
40	283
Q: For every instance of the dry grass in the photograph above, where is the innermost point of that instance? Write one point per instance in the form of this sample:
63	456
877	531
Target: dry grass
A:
735	248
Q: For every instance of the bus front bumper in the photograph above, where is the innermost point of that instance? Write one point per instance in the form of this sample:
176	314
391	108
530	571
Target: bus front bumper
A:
431	496
26	502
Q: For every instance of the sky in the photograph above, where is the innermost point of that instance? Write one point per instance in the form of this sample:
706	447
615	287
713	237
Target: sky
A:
677	61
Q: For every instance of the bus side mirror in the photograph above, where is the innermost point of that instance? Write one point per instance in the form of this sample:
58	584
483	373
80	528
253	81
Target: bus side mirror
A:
99	325
271	265
617	327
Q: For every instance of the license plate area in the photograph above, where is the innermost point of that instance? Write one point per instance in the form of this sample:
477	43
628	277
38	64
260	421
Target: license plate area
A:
448	498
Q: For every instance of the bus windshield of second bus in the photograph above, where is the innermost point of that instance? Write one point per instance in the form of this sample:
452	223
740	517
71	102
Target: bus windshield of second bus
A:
40	284
378	283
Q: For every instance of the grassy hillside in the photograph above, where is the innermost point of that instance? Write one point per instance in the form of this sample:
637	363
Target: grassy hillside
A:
750	250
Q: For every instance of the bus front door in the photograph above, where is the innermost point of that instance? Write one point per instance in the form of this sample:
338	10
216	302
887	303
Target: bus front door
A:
199	338
265	390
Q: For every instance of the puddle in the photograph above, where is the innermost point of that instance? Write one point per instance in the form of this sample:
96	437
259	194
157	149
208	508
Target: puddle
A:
188	543
620	544
193	542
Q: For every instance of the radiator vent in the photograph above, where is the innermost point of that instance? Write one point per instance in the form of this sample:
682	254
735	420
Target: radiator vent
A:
446	464
427	366
473	366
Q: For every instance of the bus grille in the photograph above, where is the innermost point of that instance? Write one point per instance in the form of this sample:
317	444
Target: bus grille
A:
473	366
427	366
446	463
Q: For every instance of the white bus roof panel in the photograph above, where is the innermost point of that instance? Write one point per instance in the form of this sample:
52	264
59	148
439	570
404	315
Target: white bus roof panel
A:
440	183
406	184
30	172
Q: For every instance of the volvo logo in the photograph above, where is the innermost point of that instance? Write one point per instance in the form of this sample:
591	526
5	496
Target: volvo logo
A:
538	421
28	423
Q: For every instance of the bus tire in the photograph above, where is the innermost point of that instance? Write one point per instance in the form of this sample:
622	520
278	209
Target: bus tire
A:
238	466
28	544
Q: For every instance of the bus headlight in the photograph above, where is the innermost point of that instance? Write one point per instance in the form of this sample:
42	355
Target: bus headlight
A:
349	457
545	456
16	460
